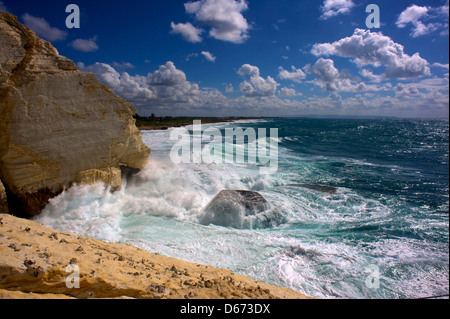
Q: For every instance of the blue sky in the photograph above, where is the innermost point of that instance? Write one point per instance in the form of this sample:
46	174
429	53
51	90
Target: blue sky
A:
257	57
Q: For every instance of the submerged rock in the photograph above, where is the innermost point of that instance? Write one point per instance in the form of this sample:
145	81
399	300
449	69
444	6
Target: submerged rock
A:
310	254
241	209
58	125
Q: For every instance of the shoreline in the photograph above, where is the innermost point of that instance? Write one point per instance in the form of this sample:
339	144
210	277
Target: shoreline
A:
153	124
35	264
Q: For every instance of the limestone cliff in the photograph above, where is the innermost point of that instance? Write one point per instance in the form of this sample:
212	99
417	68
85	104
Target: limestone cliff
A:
34	264
3	202
58	125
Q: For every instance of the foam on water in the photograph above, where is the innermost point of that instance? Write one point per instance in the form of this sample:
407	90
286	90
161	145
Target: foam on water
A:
323	248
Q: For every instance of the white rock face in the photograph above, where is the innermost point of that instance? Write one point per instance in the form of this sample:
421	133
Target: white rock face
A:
58	125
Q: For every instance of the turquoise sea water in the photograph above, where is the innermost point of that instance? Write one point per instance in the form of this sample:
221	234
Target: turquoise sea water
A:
382	233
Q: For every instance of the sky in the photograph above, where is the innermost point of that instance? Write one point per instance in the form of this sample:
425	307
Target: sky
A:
257	57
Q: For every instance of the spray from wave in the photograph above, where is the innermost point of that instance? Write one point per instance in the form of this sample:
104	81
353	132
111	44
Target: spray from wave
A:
332	232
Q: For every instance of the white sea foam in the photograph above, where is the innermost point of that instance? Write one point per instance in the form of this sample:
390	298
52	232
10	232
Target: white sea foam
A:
323	248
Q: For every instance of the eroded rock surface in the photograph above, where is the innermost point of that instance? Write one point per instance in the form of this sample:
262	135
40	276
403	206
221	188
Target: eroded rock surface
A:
58	125
34	263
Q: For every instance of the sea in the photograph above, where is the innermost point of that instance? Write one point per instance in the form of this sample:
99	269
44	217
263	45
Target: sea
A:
365	207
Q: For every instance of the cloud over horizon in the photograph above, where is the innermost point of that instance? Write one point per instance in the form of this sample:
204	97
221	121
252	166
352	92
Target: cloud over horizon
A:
167	90
373	48
296	75
251	58
165	87
258	86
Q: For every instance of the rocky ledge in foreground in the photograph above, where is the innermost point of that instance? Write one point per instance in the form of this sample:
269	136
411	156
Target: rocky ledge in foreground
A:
34	264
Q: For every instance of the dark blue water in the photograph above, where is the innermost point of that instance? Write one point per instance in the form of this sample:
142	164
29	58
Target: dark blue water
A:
403	158
365	205
395	177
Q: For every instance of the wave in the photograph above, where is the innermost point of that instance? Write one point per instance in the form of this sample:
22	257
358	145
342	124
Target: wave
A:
323	247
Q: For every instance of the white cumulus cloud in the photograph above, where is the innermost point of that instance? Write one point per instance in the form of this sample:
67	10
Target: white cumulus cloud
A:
167	75
296	75
440	65
208	56
187	30
166	87
405	91
85	45
373	48
411	15
123	65
372	77
257	86
224	17
229	88
285	92
43	28
247	69
331	8
424	19
329	78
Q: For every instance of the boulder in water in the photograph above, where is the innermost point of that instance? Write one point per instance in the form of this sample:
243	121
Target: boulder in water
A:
241	209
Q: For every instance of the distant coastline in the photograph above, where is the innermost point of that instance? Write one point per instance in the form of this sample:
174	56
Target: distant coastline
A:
164	123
